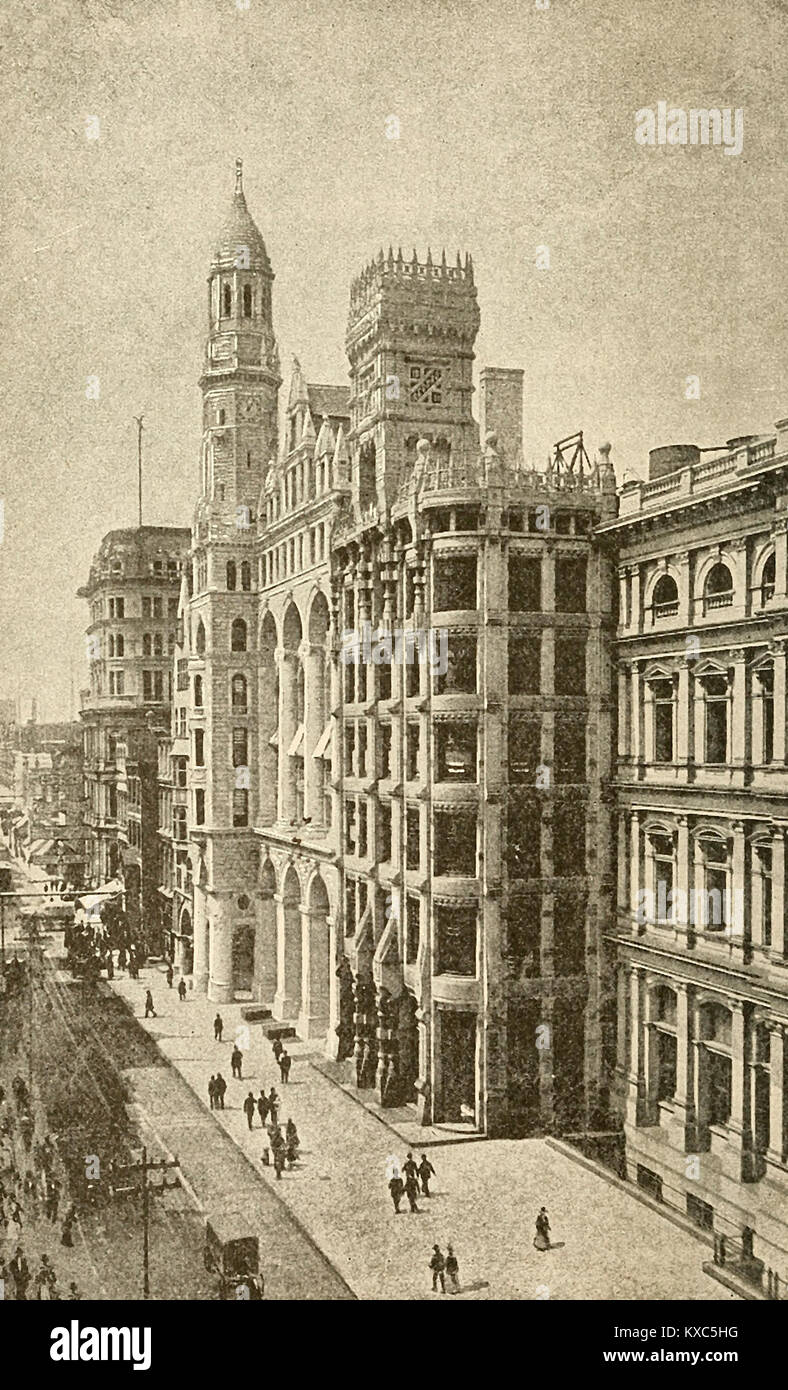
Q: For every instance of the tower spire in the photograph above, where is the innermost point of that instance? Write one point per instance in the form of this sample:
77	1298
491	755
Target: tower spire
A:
239	176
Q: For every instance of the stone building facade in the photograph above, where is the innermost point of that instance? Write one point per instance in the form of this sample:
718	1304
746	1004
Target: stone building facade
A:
396	653
702	815
132	593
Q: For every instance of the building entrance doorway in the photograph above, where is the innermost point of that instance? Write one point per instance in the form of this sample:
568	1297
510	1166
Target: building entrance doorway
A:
457	1047
243	960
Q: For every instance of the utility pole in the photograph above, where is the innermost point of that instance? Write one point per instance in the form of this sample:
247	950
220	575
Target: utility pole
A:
139	419
143	1167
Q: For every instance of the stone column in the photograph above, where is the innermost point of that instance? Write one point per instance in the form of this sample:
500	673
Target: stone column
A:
637	1084
778	752
636	614
777	952
623	595
288	960
636	728
200	963
739	714
737	923
683	1100
314	724
220	984
288	723
624	735
635	877
683	716
777	1145
622	859
739	1123
315	971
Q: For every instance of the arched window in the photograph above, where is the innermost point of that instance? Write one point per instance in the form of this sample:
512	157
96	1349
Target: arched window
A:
767	580
227	301
231	579
246	576
662	863
666	597
247	301
718	589
238	690
198	692
712	910
238	635
199	641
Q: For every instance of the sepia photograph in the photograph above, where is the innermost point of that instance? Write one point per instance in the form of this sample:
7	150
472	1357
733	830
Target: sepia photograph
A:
393	637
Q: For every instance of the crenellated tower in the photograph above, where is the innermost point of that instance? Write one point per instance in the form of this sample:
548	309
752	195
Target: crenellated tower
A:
410	338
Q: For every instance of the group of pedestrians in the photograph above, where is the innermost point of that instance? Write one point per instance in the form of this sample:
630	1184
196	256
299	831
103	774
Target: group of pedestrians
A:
29	1192
283	1145
411	1181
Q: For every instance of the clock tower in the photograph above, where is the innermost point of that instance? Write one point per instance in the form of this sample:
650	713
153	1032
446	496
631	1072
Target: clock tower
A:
240	379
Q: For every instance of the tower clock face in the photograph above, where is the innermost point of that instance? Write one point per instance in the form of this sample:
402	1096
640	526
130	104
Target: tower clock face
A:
426	384
249	408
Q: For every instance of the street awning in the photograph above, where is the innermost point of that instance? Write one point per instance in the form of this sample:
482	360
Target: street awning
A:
322	748
298	739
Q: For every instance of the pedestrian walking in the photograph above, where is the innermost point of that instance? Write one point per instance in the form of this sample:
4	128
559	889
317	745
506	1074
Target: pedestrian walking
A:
438	1265
221	1087
181	989
262	1108
66	1237
277	1047
425	1171
149	1009
218	1026
212	1092
542	1237
397	1190
410	1167
249	1109
273	1106
285	1063
236	1060
278	1149
45	1280
412	1190
170	975
110	966
452	1269
20	1273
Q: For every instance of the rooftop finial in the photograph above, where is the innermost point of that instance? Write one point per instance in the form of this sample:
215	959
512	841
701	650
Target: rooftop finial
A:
239	176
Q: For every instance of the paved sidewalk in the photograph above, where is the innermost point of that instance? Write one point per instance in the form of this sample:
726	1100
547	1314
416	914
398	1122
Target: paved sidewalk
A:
486	1195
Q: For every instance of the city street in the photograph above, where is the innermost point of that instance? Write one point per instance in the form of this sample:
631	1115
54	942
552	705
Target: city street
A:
486	1195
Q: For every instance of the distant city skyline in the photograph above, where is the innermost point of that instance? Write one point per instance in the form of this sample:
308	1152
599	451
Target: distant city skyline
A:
514	136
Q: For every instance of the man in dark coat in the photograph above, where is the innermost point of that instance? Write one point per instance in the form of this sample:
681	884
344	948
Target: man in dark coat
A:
149	1009
249	1109
277	1048
410	1167
425	1171
181	989
212	1092
285	1063
412	1190
20	1273
170	975
262	1107
218	1025
396	1188
236	1059
221	1087
438	1265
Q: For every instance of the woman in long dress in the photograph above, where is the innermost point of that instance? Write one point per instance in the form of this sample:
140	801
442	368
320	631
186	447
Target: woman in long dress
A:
542	1237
